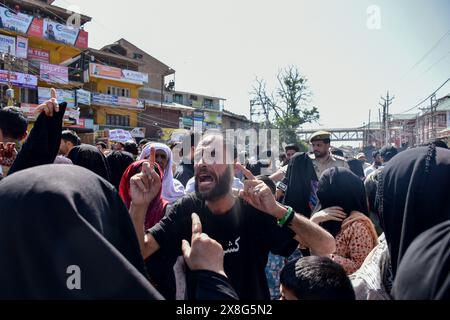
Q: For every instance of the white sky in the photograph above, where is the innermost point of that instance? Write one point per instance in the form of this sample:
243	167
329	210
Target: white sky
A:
219	47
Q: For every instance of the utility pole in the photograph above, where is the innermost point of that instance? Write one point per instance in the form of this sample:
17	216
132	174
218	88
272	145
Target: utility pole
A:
433	105
368	130
386	103
9	92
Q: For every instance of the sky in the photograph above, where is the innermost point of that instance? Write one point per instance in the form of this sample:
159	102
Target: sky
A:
350	56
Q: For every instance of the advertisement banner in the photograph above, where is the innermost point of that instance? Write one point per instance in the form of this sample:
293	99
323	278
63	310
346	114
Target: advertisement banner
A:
36	56
62	95
71	114
112	73
82	41
197	104
111	100
15	22
37	28
130	102
107	72
29	110
198	125
19	79
54	73
187	122
135	76
83	124
104	99
120	135
213	118
55	31
22	47
83	97
8	44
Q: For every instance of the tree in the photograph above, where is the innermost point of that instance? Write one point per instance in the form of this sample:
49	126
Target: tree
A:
289	107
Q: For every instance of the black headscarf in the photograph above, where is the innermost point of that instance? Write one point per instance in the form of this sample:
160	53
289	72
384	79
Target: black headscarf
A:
424	273
301	181
356	167
118	162
56	216
91	158
412	196
339	186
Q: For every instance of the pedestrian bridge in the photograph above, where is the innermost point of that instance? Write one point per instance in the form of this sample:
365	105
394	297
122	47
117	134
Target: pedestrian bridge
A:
337	134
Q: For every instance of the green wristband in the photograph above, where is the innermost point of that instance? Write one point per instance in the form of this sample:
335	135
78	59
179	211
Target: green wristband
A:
287	216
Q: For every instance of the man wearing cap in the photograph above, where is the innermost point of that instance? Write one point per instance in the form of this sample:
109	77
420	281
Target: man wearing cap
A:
321	157
362	157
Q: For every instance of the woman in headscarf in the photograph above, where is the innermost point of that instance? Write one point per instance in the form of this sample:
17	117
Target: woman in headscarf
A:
424	272
301	184
91	158
412	196
172	189
157	206
63	228
343	200
118	162
356	167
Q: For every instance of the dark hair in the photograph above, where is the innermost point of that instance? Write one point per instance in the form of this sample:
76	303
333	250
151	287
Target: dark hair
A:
317	278
375	153
102	144
143	142
131	147
269	182
439	143
388	152
337	152
71	136
326	141
292	146
13	123
282	155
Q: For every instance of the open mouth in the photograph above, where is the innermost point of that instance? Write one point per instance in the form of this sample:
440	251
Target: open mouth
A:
205	179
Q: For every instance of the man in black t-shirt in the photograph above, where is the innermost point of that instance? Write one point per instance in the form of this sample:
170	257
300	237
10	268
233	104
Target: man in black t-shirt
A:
246	226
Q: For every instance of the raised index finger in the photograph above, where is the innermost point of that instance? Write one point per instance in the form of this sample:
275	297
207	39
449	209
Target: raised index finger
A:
52	93
196	224
247	173
152	156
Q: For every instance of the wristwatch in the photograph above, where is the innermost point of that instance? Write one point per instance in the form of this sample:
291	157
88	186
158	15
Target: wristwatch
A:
280	185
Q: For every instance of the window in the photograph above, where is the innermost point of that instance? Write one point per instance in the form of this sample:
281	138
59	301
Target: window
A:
28	95
178	98
208	103
193	98
137	56
117	91
117	120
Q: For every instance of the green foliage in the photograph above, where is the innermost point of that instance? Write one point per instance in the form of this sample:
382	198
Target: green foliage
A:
290	106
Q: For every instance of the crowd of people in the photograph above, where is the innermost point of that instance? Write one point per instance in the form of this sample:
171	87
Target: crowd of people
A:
146	221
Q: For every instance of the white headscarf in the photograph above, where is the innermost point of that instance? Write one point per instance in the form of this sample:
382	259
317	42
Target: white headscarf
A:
172	189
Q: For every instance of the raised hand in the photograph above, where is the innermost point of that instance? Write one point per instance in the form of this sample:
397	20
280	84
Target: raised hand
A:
49	106
145	185
332	213
204	253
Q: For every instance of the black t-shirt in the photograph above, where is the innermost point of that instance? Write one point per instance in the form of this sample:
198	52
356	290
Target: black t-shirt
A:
245	233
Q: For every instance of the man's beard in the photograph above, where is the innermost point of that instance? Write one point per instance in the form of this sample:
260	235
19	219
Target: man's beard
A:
319	155
222	187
